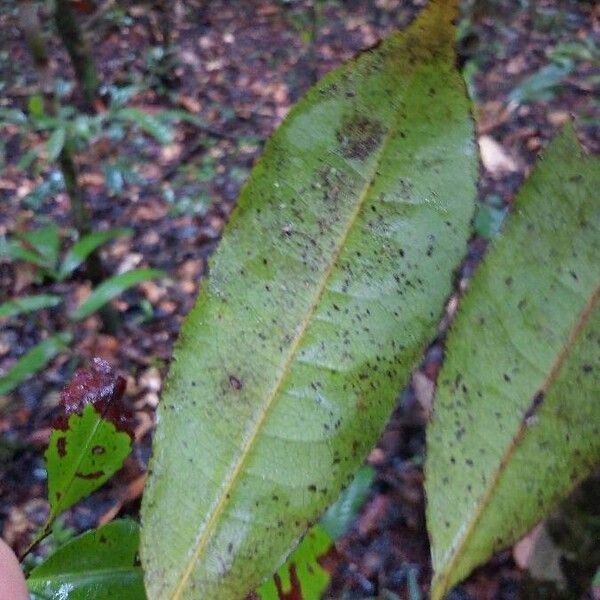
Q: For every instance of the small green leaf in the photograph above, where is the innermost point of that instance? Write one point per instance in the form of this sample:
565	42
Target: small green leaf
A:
111	288
101	564
488	220
29	156
15	250
82	458
46	242
13	115
515	422
85	246
26	304
55	143
36	106
32	362
149	123
340	515
543	85
302	571
301	577
113	175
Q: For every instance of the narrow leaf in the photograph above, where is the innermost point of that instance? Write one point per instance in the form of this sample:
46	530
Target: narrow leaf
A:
111	288
150	124
86	245
328	283
46	243
82	458
516	418
339	516
33	361
27	304
101	564
55	143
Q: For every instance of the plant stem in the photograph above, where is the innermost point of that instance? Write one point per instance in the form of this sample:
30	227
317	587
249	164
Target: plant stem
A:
79	52
36	44
41	535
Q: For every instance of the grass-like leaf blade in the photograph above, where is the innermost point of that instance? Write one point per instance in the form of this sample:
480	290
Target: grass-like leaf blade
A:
81	249
111	288
27	304
33	361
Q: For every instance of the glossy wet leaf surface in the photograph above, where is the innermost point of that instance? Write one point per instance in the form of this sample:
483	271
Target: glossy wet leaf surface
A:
327	285
516	418
101	564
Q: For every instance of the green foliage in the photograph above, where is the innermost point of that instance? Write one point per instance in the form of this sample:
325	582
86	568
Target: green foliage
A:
302	576
111	288
290	364
82	458
516	415
489	217
545	84
77	254
33	361
101	564
41	247
26	304
339	516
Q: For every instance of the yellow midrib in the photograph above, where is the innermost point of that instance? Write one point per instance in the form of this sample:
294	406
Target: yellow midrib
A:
246	449
440	585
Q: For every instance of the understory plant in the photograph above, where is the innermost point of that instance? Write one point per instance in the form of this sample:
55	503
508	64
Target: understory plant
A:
327	286
41	249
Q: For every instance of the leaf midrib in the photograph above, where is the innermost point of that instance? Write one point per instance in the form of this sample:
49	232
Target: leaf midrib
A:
234	474
582	319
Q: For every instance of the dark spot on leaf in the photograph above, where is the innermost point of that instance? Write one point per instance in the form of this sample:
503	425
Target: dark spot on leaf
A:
93	475
235	383
535	404
61	446
359	136
101	387
98	450
295	592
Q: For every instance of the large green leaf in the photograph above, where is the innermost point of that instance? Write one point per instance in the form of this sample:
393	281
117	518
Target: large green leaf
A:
99	565
82	458
517	418
33	361
328	282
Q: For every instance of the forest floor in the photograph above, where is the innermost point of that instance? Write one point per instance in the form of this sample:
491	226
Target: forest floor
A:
240	66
